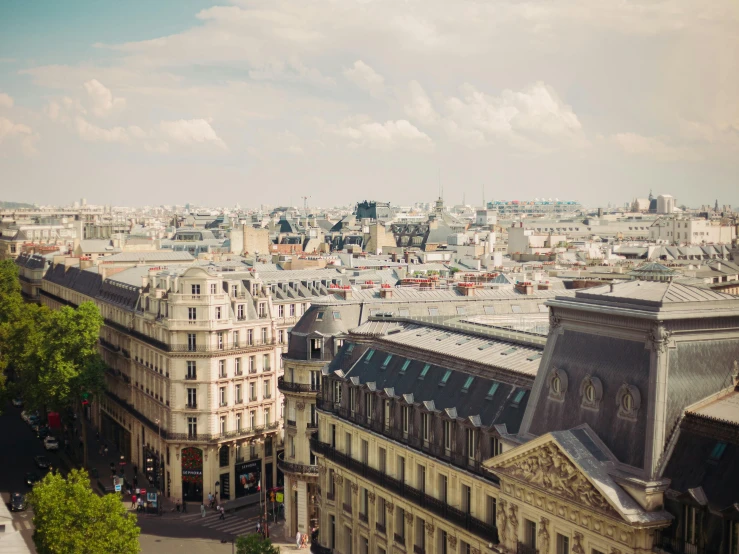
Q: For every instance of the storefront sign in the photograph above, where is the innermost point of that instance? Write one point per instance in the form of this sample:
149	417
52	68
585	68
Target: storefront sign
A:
248	478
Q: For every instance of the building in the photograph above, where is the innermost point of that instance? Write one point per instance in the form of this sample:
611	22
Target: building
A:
665	204
548	208
587	449
691	230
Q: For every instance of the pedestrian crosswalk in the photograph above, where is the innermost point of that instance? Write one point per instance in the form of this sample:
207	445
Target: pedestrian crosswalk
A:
232	524
23	525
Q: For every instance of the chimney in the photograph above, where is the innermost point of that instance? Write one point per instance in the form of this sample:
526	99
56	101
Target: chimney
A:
386	291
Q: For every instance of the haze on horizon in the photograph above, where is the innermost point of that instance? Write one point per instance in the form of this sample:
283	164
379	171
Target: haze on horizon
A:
256	101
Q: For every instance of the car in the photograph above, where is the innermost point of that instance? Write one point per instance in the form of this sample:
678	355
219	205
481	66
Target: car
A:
18	402
25	415
43	432
50	443
35	428
42	462
17	502
32	478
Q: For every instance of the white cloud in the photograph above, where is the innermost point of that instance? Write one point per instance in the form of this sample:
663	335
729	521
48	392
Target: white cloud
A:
419	105
18	134
92	133
6	101
361	131
366	78
193	131
103	102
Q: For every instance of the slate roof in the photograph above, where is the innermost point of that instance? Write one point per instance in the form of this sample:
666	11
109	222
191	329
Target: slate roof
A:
31	261
655	293
159	256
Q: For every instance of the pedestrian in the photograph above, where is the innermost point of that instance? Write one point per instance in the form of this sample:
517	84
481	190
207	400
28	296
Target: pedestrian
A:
259	527
135	482
133	501
177	505
297	539
184	507
202	510
140	505
210	500
223	513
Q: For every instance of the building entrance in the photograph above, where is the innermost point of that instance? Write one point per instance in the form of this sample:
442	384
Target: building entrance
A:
192	474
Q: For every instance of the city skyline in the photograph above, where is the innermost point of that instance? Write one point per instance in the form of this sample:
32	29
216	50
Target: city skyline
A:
186	101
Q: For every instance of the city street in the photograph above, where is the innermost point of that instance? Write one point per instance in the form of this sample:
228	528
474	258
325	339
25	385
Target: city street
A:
19	445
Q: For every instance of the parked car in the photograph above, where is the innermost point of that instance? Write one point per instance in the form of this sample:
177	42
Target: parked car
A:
17	502
18	402
32	478
42	462
50	443
43	432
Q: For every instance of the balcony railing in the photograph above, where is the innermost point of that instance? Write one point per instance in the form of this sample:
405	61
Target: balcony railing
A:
488	533
399	539
109	345
290	422
417	549
191	377
394	432
191	406
347	508
297	387
291	467
253	345
522	548
380	528
678	546
362	517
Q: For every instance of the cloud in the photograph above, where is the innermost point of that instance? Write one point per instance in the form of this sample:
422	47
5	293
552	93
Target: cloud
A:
92	133
656	148
362	132
18	134
6	101
103	102
193	131
366	78
531	119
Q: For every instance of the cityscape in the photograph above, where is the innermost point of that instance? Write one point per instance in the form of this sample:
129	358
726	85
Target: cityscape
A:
340	308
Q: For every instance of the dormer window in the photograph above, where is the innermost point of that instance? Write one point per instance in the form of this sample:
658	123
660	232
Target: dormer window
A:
557	381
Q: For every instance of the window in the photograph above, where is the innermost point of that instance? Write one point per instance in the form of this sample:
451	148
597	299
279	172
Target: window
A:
348	444
404	417
238	422
446	376
250	336
337	392
369	405
529	530
447	431
252	419
733	537
491	391
218	312
192	314
365	452
387	360
222	395
221	368
292	310
405	366
267	417
491	510
252	364
382	459
424	371
442	543
237	366
381	512
223	424
466	498
363	502
401	469
399	524
496	448
519	396
319	316
718	451
236	339
464	547
563	544
280	311
420	543
213	288
460	310
433	311
443	487
237	394
192	398
471	438
265	389
265	363
337	315
369	355
192	427
240	311
191	370
195	290
421	478
219	339
425	427
264	335
352	399
252	391
467	384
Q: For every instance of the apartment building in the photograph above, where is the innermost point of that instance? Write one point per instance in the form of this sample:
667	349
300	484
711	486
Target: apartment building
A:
691	230
608	438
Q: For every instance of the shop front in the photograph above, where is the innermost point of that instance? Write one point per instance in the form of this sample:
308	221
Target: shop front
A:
191	460
248	478
114	433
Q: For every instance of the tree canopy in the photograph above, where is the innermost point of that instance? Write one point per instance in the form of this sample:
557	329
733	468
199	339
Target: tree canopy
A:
254	544
70	517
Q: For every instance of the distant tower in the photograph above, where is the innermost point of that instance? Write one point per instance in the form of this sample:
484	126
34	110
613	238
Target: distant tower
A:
715	208
651	196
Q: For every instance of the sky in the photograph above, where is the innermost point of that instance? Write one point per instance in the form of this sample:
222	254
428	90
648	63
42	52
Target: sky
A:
269	101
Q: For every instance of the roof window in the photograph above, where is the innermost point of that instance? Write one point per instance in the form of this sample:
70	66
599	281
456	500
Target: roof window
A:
519	396
446	377
337	315
319	316
424	371
491	391
485	346
370	353
405	366
467	384
511	350
718	451
534	357
387	360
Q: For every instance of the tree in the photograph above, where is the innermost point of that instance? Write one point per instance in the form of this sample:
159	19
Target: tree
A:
70	518
11	305
254	544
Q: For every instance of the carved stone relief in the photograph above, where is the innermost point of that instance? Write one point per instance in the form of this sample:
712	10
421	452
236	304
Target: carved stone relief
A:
354	487
339	480
513	521
409	517
300	406
548	468
430	528
390	508
577	547
542	537
502	521
659	336
371	497
452	541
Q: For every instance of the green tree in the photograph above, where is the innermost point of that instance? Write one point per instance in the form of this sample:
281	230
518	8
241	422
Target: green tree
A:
70	518
254	544
11	306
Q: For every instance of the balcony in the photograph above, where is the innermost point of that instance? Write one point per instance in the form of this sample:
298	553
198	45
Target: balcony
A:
290	422
487	532
197	299
380	528
347	508
290	467
394	432
254	345
109	346
312	425
191	406
363	518
522	548
191	377
288	386
196	324
678	546
418	549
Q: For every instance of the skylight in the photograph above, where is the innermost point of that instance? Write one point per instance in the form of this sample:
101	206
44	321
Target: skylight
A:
405	366
370	353
387	360
534	357
446	377
467	384
718	451
511	350
519	396
424	371
485	346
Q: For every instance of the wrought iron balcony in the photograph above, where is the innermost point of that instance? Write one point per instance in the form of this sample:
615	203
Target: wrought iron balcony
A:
291	467
297	387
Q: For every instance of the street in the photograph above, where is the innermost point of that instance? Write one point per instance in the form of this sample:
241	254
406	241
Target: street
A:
160	534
